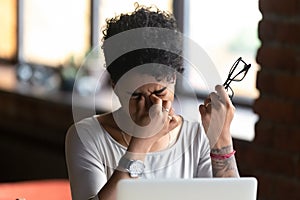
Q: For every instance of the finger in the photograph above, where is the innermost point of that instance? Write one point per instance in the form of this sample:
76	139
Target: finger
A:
167	110
207	101
155	99
225	98
170	112
214	97
202	110
205	116
160	109
157	104
222	94
167	106
215	100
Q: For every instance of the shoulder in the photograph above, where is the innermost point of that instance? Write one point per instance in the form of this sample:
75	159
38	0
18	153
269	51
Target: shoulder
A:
87	129
191	126
193	131
86	124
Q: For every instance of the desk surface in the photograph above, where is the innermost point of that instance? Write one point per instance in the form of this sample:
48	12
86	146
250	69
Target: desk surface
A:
34	190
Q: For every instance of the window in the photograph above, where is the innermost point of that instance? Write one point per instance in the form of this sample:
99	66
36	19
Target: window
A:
54	31
108	9
8	33
226	30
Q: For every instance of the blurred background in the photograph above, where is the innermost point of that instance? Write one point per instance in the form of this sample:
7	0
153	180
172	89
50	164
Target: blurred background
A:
44	44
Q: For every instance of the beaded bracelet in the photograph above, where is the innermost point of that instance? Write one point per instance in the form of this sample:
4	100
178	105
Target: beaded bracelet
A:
222	156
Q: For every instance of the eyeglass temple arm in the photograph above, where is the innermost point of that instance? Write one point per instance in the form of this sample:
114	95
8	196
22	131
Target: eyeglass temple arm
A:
227	82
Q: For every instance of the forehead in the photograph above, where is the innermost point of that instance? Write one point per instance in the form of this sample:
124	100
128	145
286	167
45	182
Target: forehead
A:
138	81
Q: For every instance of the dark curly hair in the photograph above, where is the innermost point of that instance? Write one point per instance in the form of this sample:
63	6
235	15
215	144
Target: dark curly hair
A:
140	18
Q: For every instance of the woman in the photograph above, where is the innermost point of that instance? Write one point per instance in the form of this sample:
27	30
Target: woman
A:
145	138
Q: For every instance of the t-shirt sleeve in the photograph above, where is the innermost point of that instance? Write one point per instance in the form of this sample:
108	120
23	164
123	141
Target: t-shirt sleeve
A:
85	170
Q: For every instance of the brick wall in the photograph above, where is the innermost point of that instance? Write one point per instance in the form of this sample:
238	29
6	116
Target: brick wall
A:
274	156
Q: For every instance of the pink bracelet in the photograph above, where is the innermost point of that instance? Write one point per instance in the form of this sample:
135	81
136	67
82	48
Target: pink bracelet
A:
222	156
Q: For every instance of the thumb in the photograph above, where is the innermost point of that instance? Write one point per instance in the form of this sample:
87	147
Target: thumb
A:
155	99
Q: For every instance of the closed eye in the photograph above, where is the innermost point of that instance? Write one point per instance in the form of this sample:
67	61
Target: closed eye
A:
136	95
160	92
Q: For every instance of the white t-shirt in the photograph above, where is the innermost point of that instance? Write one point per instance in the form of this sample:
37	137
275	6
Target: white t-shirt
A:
92	155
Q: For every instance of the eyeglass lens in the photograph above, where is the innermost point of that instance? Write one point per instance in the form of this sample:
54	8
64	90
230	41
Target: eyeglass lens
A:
237	72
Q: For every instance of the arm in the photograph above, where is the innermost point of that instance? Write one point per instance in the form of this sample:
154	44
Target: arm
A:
224	167
137	150
87	174
140	146
85	168
108	191
216	115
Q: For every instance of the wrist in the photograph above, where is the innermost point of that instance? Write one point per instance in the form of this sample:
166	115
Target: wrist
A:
222	153
222	150
133	166
224	140
222	156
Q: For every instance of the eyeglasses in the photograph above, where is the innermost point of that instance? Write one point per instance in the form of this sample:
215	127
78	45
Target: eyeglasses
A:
237	73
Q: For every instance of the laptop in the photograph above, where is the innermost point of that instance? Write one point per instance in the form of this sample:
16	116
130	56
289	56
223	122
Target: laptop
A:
244	188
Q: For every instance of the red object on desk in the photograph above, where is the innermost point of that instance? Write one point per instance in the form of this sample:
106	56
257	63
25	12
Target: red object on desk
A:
35	190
